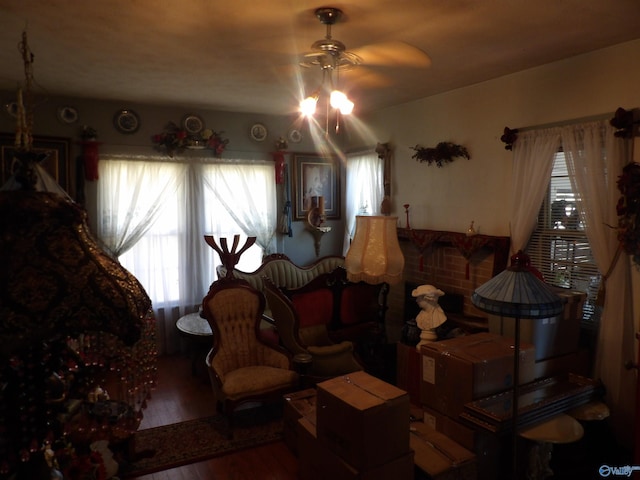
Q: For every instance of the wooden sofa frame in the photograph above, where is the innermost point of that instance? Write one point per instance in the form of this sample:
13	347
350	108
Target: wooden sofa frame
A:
358	309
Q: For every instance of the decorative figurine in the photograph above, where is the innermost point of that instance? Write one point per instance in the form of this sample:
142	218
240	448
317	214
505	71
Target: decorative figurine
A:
471	231
431	316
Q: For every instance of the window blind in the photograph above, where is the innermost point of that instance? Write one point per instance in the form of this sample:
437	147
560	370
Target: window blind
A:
559	247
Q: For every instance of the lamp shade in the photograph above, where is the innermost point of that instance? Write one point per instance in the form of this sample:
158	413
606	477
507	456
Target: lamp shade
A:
374	255
517	292
55	278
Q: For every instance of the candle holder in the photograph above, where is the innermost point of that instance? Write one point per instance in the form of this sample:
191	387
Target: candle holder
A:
406	212
315	218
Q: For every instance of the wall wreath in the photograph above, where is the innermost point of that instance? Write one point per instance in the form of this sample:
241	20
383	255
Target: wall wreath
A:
443	152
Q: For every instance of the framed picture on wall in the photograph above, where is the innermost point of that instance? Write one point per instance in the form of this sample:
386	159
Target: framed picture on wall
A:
315	175
55	164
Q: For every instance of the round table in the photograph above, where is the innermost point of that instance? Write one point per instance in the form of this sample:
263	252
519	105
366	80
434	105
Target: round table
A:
198	331
559	429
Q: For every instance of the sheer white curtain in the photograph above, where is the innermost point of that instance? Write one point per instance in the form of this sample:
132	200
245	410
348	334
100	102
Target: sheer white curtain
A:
533	155
134	199
170	258
364	190
246	197
595	158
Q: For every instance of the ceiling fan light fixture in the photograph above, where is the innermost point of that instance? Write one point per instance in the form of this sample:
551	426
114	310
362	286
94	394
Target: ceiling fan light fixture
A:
347	107
308	105
340	101
337	98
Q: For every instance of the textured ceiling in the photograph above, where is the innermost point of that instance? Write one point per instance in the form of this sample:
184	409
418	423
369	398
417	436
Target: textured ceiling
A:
242	55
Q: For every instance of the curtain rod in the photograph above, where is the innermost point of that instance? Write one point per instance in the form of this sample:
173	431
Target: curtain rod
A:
361	152
592	118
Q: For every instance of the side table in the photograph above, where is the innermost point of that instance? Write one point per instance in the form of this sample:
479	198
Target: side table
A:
197	330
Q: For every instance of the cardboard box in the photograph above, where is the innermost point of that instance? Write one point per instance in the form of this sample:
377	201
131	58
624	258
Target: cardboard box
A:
440	457
578	362
307	447
296	405
316	462
460	370
363	419
489	448
552	336
408	371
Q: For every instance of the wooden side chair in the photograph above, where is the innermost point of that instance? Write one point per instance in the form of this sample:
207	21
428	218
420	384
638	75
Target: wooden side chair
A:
328	358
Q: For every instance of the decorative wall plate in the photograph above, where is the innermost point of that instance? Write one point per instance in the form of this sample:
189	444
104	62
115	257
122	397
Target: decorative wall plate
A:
193	124
126	121
258	132
67	115
295	136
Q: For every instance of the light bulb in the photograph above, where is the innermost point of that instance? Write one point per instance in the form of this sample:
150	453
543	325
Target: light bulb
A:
347	107
337	99
308	106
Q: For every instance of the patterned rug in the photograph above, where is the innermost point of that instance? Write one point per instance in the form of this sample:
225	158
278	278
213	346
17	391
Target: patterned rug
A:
192	441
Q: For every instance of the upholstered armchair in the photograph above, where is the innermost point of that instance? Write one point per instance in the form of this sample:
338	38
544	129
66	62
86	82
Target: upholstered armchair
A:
242	368
328	359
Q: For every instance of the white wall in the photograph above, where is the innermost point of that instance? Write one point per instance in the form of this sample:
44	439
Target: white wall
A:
445	198
448	198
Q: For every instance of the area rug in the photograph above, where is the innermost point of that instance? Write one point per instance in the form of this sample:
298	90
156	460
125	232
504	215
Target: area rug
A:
192	441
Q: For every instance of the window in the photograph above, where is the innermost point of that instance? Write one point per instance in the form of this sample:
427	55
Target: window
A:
364	189
559	247
170	258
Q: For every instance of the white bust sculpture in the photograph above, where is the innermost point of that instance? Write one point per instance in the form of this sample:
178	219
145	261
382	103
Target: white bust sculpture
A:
431	315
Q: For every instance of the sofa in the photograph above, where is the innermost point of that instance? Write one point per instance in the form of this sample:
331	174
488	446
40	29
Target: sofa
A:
283	272
321	293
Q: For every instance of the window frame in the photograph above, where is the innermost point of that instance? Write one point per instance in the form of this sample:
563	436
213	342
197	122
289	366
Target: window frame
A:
580	273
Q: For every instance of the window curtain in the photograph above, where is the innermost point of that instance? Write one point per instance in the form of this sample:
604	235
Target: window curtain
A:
247	197
160	211
132	199
365	190
533	155
595	158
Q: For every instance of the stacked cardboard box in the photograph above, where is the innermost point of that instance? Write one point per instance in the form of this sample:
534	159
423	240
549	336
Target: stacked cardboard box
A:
296	405
408	371
440	457
360	431
460	370
463	369
554	336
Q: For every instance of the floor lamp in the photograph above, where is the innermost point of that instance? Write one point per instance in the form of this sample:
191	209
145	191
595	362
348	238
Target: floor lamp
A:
374	256
517	293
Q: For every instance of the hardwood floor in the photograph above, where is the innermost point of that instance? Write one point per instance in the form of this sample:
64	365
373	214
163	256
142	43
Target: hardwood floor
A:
180	396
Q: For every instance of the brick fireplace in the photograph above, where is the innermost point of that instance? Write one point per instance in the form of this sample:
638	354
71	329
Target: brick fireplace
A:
453	262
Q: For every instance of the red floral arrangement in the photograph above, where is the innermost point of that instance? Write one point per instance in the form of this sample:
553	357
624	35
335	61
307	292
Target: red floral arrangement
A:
175	139
214	140
628	210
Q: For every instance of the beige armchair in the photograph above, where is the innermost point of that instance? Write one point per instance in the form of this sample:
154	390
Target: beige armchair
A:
328	359
242	368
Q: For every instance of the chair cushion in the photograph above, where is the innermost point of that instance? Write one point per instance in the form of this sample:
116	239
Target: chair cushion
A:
256	380
330	350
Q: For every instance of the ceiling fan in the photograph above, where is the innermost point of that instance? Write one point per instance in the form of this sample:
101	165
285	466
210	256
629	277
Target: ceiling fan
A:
330	53
332	58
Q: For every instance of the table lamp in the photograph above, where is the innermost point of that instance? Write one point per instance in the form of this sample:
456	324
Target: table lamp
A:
517	293
374	255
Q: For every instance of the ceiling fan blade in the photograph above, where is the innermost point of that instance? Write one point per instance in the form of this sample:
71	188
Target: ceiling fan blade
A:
363	77
392	53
